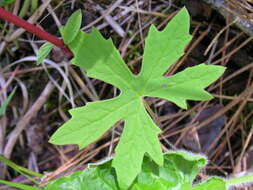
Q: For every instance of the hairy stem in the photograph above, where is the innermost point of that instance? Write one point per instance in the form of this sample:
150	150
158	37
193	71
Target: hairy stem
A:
34	30
240	180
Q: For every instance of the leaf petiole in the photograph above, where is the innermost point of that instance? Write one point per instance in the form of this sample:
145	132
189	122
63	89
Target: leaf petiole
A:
240	180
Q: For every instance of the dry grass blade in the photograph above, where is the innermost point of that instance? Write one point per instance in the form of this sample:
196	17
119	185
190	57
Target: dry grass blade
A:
26	119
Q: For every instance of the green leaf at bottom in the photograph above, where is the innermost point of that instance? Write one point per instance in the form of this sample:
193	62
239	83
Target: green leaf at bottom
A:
100	178
179	171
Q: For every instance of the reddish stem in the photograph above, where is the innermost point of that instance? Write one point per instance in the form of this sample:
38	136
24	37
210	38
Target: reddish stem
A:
34	30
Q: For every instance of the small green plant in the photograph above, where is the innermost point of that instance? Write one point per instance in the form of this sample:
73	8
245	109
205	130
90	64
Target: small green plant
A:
101	60
139	163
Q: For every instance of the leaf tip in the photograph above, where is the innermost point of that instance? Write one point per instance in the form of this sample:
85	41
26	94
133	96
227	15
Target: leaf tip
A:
185	11
222	69
52	140
182	104
56	138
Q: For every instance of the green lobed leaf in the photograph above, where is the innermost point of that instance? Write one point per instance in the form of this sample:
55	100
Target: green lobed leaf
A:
179	171
44	50
5	2
139	137
188	84
163	48
87	124
71	29
101	60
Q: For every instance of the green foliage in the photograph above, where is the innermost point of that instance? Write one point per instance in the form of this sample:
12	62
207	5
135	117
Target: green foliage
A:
179	171
44	50
101	60
5	2
139	163
5	103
